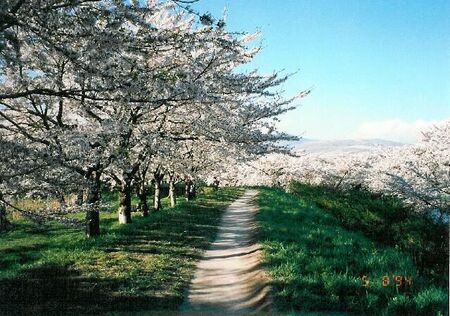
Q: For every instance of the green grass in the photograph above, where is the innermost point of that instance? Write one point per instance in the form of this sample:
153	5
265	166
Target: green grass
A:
387	221
316	264
146	265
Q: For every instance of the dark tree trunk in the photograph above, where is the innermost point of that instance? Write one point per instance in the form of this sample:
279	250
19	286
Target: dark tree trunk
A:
62	202
142	190
172	192
125	204
189	190
193	191
142	194
4	223
93	201
215	184
80	198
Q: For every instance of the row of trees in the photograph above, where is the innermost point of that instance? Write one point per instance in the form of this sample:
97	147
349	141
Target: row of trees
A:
129	94
419	174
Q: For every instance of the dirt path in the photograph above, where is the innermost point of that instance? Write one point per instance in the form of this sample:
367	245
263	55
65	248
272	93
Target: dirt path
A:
229	278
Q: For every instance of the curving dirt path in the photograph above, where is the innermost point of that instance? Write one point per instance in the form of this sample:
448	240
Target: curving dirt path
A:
229	279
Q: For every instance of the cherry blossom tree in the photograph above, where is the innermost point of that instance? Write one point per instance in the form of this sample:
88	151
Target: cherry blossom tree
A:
420	174
110	89
31	172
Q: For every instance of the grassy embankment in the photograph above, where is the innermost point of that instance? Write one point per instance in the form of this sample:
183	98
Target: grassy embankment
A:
146	265
318	244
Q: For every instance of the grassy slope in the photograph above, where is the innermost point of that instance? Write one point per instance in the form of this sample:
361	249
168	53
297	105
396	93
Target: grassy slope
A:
144	265
387	221
316	264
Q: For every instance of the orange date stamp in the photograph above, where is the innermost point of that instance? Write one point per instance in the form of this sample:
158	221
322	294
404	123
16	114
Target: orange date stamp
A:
398	281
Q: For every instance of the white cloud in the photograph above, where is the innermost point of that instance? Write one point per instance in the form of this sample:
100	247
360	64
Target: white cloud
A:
395	130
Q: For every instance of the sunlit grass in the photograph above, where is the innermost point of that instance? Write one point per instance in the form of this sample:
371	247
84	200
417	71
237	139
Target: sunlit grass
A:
385	220
145	265
317	265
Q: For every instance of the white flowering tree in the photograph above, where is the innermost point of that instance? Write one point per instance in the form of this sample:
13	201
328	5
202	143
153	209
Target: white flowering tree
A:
111	90
420	174
31	172
69	74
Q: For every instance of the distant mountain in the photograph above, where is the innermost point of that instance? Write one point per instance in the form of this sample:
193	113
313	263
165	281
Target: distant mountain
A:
342	146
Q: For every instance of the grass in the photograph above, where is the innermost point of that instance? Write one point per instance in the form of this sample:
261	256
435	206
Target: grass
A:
146	265
317	265
386	220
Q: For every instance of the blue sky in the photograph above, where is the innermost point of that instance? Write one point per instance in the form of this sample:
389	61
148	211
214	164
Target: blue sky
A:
378	68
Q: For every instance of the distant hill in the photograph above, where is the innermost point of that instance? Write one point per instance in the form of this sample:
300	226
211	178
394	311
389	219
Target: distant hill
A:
342	146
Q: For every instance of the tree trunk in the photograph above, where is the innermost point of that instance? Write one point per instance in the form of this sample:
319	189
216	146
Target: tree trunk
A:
93	201
142	194
215	184
62	202
157	197
125	204
172	192
4	223
193	191
189	190
80	198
